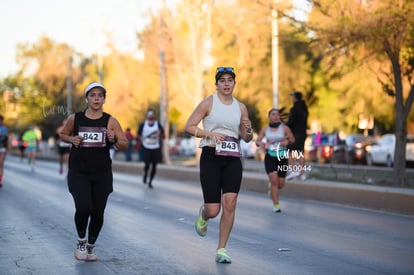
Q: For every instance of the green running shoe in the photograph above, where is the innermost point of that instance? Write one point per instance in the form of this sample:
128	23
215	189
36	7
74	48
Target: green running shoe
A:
222	257
200	224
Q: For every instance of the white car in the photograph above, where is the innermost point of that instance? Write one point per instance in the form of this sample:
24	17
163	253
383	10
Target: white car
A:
409	155
382	151
188	147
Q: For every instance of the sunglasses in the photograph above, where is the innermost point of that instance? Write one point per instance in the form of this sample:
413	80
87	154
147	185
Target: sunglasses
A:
225	70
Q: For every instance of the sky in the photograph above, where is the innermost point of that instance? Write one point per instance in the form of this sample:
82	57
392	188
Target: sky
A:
83	24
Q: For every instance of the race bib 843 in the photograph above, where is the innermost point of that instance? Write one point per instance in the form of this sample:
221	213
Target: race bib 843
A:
230	146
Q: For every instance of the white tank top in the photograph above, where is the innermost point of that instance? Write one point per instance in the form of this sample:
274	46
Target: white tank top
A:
150	140
275	136
223	119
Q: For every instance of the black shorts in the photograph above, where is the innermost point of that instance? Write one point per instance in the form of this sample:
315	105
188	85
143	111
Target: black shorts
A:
63	150
276	165
152	155
219	174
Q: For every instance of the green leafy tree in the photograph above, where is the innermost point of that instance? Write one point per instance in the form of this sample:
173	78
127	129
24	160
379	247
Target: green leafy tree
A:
27	97
41	82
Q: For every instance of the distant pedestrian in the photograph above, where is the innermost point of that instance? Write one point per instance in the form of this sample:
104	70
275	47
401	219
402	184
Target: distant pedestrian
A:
225	121
91	132
151	134
22	147
138	148
278	137
63	150
32	141
297	122
3	147
130	137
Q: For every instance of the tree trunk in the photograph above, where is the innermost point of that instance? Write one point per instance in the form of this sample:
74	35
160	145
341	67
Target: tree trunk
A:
400	144
400	124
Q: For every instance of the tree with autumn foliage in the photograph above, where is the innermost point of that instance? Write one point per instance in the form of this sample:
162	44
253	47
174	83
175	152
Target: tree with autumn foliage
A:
379	33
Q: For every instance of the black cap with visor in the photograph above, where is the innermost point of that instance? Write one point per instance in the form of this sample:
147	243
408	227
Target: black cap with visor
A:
224	70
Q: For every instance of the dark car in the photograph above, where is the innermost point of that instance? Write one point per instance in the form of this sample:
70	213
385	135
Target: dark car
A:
333	153
332	149
356	147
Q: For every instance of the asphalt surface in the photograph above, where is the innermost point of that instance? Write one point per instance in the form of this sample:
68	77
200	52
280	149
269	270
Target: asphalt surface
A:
390	199
151	231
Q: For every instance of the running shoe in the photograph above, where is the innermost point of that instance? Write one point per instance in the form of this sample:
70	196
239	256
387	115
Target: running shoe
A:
200	224
222	257
80	250
292	175
277	210
90	256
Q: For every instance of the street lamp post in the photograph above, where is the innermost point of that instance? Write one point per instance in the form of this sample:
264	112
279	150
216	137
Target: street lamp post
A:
164	109
275	55
68	81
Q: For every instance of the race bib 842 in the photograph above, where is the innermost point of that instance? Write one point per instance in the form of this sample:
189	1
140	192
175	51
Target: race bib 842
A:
93	136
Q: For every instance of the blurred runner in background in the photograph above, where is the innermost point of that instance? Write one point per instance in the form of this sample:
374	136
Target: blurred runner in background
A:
4	139
32	141
63	149
151	134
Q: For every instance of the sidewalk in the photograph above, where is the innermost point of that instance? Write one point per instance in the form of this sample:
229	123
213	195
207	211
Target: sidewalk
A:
390	199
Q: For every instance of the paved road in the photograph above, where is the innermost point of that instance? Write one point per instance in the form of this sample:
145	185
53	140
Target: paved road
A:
392	199
151	232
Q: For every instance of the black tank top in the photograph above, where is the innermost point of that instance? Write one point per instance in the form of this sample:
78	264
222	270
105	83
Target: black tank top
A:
92	156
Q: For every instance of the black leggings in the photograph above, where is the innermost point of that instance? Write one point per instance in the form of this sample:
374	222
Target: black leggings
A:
90	194
151	158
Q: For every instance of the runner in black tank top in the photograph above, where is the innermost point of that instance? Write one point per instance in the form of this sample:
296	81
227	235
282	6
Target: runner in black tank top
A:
93	156
91	133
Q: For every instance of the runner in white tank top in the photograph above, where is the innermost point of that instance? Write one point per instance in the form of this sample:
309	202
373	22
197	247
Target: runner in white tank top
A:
225	121
278	137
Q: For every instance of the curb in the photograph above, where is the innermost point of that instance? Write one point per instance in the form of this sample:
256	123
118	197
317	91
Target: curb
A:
390	199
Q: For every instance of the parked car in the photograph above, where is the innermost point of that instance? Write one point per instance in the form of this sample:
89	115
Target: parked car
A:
174	146
332	150
188	147
182	146
382	152
356	147
310	150
333	153
410	150
16	142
